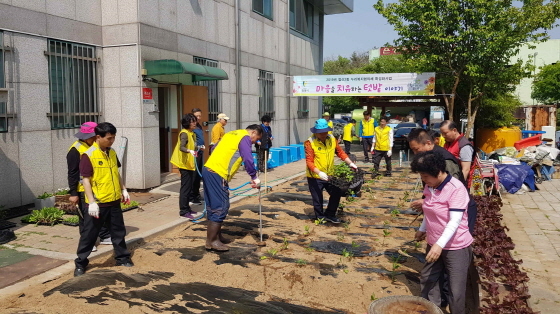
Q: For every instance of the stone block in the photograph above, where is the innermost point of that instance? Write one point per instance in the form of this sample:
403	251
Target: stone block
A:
128	12
23	20
131	106
148	10
209	21
150	53
224	24
151	157
89	11
62	8
158	38
168	15
217	52
120	34
36	170
132	163
32	65
10	184
34	104
112	105
192	46
111	67
72	30
109	12
60	142
130	74
34	5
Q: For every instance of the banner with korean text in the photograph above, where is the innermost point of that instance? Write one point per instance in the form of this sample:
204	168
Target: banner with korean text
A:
388	84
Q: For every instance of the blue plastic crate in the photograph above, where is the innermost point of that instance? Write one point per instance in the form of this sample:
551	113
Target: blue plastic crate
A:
275	158
282	155
292	153
300	150
526	134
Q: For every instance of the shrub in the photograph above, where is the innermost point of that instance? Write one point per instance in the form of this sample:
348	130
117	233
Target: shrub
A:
44	196
46	216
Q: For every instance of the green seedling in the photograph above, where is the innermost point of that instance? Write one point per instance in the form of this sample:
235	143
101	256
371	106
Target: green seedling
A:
285	244
272	252
346	225
319	221
395	212
395	266
372	297
385	223
417	244
340	236
301	262
264	257
306	228
386	233
346	270
309	249
347	254
354	244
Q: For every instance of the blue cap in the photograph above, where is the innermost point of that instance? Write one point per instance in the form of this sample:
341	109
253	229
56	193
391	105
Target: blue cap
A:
321	126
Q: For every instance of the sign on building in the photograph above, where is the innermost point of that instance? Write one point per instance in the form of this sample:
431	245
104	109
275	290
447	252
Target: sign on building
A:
385	84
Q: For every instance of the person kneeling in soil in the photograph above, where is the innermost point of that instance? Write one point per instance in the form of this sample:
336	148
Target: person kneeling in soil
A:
320	149
229	152
446	230
104	191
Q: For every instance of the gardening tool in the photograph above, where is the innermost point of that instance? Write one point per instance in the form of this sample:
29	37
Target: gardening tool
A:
262	243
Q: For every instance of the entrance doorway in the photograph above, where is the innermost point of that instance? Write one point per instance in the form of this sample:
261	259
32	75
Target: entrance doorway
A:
168	103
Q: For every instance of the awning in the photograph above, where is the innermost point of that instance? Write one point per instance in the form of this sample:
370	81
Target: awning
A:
198	72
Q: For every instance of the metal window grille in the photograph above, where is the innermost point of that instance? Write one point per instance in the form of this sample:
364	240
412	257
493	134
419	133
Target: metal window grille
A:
301	17
263	7
72	84
214	105
266	93
3	109
303	107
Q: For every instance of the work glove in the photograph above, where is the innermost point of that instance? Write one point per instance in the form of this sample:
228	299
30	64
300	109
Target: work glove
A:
256	184
353	166
323	176
192	152
93	210
389	153
125	197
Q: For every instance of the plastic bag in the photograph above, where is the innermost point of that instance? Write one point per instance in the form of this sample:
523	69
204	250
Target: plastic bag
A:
512	176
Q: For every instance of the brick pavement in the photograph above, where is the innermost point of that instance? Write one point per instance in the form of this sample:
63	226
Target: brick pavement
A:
534	223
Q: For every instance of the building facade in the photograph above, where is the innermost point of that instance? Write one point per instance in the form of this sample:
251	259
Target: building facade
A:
141	65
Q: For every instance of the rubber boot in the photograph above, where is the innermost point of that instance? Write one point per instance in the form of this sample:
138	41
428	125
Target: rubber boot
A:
222	238
212	237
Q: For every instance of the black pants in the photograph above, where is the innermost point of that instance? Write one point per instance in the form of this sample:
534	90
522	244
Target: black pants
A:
262	153
347	146
366	143
316	187
471	213
187	179
113	217
104	233
195	193
376	158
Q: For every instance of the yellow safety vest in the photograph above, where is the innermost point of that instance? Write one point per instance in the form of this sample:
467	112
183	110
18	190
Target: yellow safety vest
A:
81	147
382	138
347	134
324	155
105	183
368	127
330	124
225	159
180	159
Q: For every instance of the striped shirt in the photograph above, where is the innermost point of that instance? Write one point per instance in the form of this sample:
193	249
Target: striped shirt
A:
450	195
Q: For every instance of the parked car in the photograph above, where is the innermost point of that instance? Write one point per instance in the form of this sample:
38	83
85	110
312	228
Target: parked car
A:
400	135
407	125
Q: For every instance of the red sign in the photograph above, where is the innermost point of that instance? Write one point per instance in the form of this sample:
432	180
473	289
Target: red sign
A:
147	93
387	51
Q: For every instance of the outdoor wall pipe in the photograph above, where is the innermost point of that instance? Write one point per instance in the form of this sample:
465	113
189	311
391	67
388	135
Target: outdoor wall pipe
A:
288	76
237	67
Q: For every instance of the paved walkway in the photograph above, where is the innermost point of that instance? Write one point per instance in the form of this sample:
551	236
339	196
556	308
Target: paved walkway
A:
60	241
534	223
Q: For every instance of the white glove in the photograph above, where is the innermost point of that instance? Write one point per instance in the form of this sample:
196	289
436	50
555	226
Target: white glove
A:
256	184
389	153
192	152
323	176
125	197
352	165
93	210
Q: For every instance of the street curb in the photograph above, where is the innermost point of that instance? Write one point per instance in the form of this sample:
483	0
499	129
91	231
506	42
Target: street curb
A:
106	250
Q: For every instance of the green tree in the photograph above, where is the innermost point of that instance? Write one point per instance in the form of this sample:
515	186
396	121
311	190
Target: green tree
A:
498	111
546	85
469	44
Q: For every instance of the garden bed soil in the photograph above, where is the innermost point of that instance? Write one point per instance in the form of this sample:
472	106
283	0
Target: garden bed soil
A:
304	267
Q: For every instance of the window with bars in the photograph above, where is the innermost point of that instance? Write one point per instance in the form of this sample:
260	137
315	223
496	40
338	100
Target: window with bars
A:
3	109
303	107
266	93
72	84
301	17
214	105
263	7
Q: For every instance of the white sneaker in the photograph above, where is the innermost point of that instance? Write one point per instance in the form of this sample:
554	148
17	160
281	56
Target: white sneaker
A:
106	241
94	249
